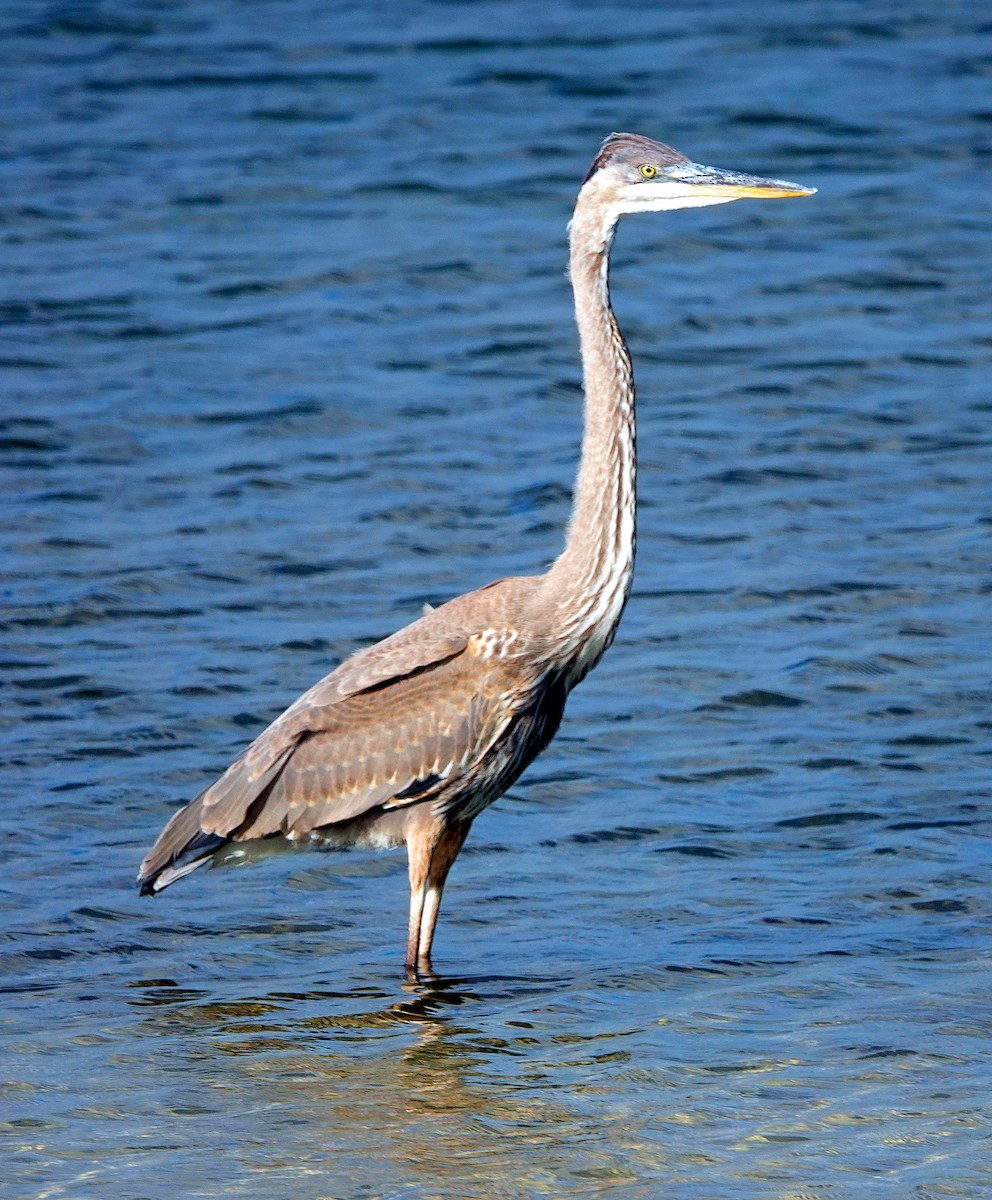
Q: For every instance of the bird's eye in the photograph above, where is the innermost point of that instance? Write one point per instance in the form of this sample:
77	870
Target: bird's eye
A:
648	171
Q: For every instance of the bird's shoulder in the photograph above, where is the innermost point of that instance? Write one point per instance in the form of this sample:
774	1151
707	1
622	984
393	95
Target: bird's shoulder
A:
487	623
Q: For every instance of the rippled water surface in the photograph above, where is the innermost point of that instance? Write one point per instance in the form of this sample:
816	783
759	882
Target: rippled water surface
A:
288	352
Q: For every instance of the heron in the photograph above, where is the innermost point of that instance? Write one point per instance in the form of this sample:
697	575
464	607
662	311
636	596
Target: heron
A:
408	740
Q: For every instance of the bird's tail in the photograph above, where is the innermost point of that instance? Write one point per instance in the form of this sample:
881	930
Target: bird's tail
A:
182	847
219	815
200	851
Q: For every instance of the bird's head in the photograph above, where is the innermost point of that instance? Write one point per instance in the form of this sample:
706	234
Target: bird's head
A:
636	174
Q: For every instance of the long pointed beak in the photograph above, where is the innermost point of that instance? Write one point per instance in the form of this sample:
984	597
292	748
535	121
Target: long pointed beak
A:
714	181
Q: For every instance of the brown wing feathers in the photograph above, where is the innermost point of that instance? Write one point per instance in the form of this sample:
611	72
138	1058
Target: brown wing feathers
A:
378	749
338	753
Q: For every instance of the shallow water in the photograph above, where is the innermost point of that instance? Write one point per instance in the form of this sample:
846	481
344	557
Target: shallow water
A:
288	352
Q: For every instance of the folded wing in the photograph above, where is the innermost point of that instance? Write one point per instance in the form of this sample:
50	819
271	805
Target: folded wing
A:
394	724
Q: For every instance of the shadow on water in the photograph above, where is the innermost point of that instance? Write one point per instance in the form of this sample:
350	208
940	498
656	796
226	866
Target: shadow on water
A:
437	1011
283	1019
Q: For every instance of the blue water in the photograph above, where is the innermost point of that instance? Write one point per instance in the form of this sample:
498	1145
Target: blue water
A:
288	352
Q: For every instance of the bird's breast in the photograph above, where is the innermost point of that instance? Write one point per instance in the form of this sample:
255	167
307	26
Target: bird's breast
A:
532	715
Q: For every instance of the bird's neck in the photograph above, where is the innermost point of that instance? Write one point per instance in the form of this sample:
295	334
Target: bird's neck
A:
589	583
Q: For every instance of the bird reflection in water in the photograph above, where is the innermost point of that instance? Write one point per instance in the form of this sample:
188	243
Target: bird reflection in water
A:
423	1098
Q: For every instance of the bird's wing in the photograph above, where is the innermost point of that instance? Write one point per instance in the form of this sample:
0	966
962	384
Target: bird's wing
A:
392	724
384	747
405	654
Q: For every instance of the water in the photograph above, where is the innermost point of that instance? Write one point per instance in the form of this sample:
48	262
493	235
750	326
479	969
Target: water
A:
288	352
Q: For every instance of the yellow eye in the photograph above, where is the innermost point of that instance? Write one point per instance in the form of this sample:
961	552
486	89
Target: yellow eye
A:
648	171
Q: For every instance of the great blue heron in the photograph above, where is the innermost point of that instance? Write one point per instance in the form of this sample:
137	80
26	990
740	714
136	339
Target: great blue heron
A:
407	741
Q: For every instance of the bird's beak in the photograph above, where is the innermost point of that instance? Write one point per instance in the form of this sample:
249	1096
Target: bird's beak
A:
731	185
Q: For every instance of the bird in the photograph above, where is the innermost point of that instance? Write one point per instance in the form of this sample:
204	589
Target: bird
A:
408	740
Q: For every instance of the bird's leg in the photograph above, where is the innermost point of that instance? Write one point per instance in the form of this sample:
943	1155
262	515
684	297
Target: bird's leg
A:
419	854
445	853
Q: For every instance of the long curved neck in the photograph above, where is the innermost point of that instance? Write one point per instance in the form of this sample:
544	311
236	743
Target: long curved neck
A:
589	583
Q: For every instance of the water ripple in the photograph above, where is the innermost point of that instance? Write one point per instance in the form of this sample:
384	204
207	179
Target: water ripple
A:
288	352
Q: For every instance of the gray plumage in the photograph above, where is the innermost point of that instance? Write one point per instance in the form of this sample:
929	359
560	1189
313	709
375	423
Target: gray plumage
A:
408	740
